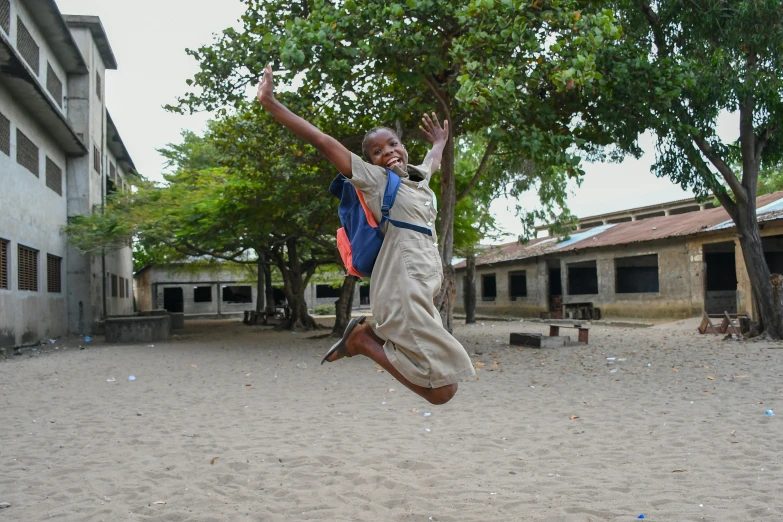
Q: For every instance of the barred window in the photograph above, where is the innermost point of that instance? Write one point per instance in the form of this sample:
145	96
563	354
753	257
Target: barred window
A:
127	288
122	287
54	85
98	85
54	176
27	46
53	274
4	264
114	285
26	152
27	268
96	159
5	15
5	134
112	172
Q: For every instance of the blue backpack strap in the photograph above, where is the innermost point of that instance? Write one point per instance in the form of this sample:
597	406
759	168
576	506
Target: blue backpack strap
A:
389	196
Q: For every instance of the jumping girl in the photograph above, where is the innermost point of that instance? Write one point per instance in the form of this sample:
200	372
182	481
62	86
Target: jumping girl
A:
409	340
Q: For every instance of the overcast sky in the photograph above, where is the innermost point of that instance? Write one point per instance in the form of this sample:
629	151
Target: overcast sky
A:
149	40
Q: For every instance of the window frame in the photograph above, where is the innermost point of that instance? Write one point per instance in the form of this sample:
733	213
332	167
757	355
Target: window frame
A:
25	281
485	297
511	274
54	277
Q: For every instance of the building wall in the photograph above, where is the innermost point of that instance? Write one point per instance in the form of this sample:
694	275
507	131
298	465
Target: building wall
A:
680	278
18	9
32	215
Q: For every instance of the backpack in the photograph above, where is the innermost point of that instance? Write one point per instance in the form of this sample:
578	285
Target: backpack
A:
361	237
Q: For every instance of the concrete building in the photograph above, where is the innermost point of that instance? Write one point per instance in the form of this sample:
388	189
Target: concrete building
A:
667	266
216	291
60	155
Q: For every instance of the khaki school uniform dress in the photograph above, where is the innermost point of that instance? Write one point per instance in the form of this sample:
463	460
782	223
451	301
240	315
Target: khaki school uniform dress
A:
407	278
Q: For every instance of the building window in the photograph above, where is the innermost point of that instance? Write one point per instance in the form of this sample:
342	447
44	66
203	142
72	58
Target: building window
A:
583	278
53	271
489	287
4	264
27	46
517	285
54	177
112	172
54	85
26	152
326	292
202	294
28	269
636	275
127	288
5	135
237	294
114	286
5	15
122	288
98	85
96	159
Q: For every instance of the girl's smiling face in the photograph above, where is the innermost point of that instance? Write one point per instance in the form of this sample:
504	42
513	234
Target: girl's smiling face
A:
386	150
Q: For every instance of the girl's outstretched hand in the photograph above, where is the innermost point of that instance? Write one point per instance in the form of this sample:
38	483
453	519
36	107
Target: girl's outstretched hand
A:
266	89
432	129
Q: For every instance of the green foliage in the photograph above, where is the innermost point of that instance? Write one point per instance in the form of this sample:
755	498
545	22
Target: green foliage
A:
770	179
510	71
324	310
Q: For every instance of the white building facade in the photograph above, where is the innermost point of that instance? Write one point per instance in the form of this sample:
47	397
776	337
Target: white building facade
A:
60	156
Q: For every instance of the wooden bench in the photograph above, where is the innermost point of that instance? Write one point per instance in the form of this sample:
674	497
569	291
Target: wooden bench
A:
554	331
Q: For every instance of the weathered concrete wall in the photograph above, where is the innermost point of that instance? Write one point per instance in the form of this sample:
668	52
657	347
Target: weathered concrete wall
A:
32	216
144	329
46	55
529	306
680	277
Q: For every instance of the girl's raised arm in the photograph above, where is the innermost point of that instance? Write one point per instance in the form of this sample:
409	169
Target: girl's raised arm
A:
334	151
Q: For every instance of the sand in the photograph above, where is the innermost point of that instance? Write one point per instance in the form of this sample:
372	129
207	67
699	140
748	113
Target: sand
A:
231	422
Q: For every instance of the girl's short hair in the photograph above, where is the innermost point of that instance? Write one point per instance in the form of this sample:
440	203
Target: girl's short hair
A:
367	138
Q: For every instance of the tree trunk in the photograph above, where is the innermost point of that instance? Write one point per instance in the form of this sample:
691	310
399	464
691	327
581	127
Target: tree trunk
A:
758	271
343	306
294	288
448	197
260	283
270	291
470	289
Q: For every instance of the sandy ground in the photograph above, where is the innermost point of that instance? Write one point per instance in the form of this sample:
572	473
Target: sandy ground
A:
231	422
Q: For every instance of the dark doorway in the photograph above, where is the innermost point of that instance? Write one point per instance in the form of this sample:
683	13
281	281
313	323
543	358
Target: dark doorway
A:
173	300
364	295
279	297
720	278
555	283
555	290
489	288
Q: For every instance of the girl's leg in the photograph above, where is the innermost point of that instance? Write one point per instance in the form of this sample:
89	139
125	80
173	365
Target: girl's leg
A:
364	341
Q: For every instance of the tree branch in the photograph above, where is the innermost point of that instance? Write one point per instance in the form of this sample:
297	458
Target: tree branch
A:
654	20
484	161
761	141
724	169
436	92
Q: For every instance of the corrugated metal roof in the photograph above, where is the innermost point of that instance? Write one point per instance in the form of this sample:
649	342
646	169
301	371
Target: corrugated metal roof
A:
770	207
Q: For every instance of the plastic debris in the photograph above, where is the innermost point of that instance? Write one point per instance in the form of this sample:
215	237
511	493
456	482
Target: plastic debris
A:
769	412
641	516
613	370
132	378
427	414
87	339
427	429
611	358
52	341
301	366
293	333
6	505
111	379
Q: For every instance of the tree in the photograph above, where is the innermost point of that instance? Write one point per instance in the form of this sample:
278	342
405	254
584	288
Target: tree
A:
676	68
485	65
770	179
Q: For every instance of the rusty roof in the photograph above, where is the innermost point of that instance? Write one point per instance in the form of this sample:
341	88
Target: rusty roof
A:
650	229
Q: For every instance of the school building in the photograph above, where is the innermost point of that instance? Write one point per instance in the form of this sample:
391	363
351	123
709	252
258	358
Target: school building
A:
225	290
60	156
675	261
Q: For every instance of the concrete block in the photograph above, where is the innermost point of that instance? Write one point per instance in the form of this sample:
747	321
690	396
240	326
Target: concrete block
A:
141	329
177	321
538	340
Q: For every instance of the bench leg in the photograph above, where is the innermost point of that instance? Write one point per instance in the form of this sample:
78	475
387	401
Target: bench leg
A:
554	331
583	335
